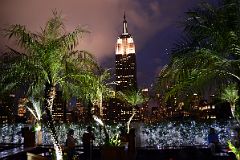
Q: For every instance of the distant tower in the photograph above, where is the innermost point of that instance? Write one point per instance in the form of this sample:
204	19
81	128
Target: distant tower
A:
125	65
125	61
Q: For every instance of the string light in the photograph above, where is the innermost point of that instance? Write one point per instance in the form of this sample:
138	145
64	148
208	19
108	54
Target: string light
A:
160	135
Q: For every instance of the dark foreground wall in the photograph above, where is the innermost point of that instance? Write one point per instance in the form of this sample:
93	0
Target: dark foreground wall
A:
188	153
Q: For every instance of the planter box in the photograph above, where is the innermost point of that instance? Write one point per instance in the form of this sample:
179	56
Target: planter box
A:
113	153
39	137
29	137
31	156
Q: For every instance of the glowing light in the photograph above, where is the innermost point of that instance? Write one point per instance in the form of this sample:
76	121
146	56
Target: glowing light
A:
184	134
58	150
125	46
36	111
37	127
32	112
165	134
114	140
98	120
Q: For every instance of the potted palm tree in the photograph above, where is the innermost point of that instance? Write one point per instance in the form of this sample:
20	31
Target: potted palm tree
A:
95	89
34	106
111	149
133	98
48	62
230	94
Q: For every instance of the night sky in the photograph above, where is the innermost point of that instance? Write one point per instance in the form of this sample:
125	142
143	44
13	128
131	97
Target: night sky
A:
154	25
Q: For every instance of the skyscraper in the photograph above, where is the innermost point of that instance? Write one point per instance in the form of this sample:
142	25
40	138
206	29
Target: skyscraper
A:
125	61
125	65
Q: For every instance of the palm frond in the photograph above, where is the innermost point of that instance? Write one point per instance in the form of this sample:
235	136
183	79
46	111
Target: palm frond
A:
70	40
25	38
230	93
132	97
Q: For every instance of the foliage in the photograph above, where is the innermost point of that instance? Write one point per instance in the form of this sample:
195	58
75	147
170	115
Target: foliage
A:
37	127
97	88
110	139
132	97
230	94
49	62
235	150
102	85
34	106
48	59
114	140
208	55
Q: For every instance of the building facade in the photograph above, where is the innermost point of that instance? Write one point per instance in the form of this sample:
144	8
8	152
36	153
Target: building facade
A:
7	109
125	77
125	61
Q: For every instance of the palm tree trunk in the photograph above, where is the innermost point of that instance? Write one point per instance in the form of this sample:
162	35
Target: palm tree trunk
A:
50	93
233	109
130	119
232	105
100	106
89	105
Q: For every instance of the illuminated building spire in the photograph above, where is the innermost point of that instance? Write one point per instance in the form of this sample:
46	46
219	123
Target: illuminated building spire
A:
125	60
125	71
125	31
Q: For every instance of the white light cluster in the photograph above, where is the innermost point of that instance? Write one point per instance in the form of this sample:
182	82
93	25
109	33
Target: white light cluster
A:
78	133
159	135
125	46
176	134
11	133
98	120
165	134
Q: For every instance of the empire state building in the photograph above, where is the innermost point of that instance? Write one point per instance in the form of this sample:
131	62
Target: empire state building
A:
125	61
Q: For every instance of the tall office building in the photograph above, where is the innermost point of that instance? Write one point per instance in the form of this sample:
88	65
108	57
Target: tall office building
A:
125	66
125	61
7	109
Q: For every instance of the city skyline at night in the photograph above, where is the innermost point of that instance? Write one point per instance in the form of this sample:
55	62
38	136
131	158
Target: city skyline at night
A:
120	79
154	24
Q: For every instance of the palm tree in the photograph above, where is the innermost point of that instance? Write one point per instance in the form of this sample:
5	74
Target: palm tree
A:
49	61
209	55
34	106
230	94
133	98
95	89
102	88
